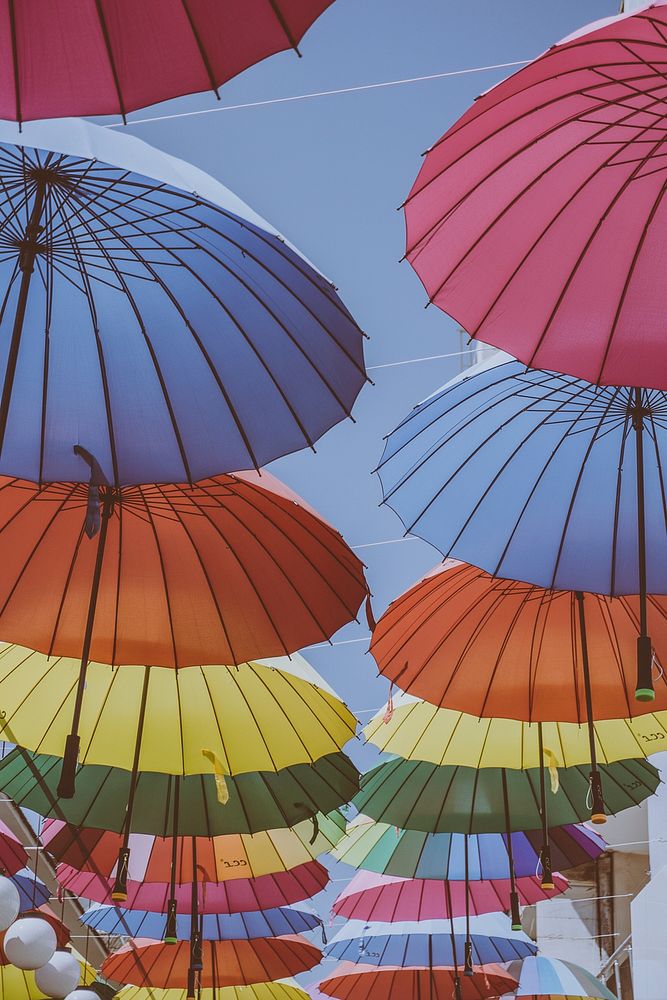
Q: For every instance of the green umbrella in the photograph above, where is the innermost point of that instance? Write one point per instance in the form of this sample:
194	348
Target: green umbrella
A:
416	795
258	800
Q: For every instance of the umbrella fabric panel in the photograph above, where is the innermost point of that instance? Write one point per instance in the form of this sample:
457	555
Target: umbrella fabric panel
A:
417	730
230	569
226	963
382	848
523	646
13	856
220	859
82	58
257	801
258	718
237	896
421	796
537	220
32	896
357	982
285	990
543	976
215	927
531	476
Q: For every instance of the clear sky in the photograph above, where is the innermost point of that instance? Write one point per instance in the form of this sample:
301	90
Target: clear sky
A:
329	173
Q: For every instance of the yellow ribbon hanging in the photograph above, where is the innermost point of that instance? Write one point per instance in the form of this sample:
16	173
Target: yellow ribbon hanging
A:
219	770
552	764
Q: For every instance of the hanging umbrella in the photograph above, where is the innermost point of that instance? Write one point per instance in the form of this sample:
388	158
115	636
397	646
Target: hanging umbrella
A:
429	942
263	717
285	990
386	850
350	981
98	59
221	859
257	801
541	478
214	926
552	978
537	221
225	963
236	896
386	898
13	855
32	892
21	985
421	796
523	644
157	329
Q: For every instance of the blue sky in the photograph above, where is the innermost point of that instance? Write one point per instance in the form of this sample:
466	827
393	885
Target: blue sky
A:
330	172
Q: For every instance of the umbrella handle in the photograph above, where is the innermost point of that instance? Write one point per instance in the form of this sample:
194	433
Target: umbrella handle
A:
468	966
644	690
170	932
515	912
547	874
119	891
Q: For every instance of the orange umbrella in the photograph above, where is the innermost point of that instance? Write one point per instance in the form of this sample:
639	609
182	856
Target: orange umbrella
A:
225	963
494	648
352	981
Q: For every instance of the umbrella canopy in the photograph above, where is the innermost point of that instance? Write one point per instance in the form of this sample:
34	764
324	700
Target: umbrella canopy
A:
20	985
235	896
98	59
285	990
372	897
13	855
220	859
232	568
552	978
421	796
264	717
226	963
537	220
381	848
430	942
418	730
215	926
203	343
31	894
257	800
350	981
523	645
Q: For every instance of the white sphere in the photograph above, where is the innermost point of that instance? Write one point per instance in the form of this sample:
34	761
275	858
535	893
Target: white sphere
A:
59	976
30	943
83	994
10	902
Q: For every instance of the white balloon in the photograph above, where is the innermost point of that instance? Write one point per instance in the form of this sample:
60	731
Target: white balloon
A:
30	943
59	976
10	903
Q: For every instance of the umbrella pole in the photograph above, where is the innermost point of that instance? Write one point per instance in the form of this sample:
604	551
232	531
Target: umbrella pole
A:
195	934
119	891
26	262
545	851
515	912
458	993
468	968
66	785
644	690
597	803
170	933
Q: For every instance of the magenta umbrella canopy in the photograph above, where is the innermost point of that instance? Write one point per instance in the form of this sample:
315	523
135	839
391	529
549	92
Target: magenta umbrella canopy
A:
61	58
539	220
386	898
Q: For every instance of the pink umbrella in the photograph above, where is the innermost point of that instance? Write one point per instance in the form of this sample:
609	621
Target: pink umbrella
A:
539	221
236	896
372	897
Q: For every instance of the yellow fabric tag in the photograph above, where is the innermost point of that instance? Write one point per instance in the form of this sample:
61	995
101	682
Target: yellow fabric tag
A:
219	769
552	764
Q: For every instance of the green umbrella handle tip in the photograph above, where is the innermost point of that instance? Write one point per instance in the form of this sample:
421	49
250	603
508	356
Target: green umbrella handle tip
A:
645	694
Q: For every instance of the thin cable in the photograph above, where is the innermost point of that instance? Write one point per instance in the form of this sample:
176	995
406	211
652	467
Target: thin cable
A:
430	357
323	93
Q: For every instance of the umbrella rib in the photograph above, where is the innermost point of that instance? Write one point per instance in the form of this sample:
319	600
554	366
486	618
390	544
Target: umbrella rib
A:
201	48
163	574
111	58
617	503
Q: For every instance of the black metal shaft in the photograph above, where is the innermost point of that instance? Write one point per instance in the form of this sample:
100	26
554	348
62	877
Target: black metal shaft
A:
515	913
27	257
455	962
468	969
545	852
195	930
170	933
644	690
597	798
71	755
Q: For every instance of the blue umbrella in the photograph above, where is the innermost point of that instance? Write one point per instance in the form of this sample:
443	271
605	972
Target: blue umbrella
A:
427	943
215	927
32	894
543	478
152	319
543	976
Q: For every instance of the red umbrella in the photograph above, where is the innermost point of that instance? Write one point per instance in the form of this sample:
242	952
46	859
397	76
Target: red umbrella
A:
351	981
93	57
538	221
235	896
13	856
225	963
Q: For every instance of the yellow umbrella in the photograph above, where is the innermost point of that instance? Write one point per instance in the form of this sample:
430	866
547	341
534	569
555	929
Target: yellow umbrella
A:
15	984
417	730
260	717
285	989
